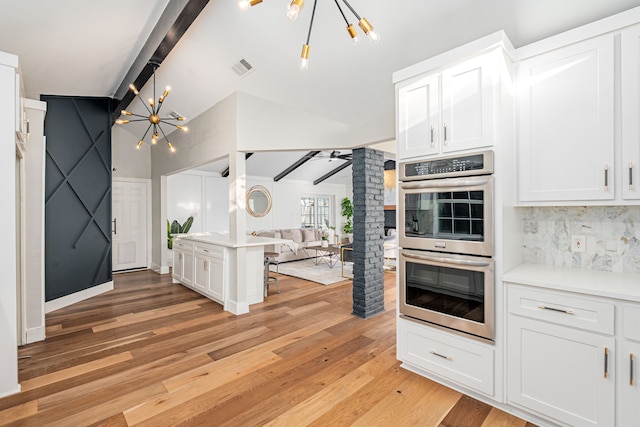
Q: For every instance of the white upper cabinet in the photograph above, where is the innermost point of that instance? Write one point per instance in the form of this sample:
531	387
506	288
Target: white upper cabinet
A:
565	123
630	94
449	110
418	116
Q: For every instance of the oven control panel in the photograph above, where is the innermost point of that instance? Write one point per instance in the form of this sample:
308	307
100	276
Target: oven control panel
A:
444	167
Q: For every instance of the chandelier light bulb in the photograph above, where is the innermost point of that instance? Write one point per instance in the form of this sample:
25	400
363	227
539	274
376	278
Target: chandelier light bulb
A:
133	89
122	122
353	33
294	9
171	147
139	145
304	57
125	113
151	101
154	138
368	30
184	128
244	4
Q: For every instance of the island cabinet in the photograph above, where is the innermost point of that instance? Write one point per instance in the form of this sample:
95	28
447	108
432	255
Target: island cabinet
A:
452	107
567	359
183	262
210	270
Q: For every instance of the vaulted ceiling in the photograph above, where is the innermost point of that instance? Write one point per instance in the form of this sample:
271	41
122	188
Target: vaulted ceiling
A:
90	48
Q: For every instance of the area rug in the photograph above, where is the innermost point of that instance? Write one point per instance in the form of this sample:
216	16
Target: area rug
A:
321	273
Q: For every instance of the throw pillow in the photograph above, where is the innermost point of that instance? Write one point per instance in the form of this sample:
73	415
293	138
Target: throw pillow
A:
297	234
286	234
309	235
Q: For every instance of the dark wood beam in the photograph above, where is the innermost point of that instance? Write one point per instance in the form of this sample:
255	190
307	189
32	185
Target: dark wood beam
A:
296	165
225	173
182	13
333	172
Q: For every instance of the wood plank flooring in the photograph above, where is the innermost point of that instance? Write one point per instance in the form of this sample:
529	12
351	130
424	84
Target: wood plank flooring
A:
153	353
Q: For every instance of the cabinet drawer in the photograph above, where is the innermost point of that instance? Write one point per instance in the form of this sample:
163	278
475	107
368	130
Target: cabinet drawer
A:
463	361
631	322
208	250
562	308
182	245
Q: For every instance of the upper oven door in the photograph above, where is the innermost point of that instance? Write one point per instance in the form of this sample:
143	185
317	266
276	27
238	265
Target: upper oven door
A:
449	215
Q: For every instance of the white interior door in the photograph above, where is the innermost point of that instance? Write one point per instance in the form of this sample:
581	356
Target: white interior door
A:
129	225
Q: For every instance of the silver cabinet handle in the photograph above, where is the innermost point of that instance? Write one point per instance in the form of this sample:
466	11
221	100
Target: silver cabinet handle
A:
606	362
559	310
206	266
115	226
442	356
631	363
432	142
606	177
630	176
445	134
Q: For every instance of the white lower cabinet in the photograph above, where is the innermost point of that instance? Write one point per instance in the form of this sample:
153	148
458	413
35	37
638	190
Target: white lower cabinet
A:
202	267
629	356
460	360
561	372
183	262
210	271
573	358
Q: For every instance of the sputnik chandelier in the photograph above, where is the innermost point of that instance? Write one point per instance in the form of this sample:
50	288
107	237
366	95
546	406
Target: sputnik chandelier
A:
294	9
154	115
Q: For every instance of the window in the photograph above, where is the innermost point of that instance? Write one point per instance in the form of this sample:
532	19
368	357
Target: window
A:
315	211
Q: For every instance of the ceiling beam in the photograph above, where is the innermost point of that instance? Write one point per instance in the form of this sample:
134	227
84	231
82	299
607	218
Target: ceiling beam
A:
225	173
296	165
333	172
174	22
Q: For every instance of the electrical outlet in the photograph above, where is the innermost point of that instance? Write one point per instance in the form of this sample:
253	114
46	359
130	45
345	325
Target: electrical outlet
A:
578	243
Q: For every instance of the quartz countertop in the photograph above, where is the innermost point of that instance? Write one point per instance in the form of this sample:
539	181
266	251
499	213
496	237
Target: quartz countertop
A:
224	239
623	286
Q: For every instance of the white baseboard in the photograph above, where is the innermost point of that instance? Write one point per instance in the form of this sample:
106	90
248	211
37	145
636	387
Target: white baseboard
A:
35	334
10	392
235	307
67	300
160	269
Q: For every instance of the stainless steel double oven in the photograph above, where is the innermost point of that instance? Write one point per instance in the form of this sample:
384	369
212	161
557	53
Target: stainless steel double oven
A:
445	221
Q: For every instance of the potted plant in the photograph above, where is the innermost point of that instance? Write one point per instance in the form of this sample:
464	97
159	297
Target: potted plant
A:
175	228
347	212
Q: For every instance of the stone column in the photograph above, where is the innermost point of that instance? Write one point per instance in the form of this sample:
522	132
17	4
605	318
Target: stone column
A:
368	232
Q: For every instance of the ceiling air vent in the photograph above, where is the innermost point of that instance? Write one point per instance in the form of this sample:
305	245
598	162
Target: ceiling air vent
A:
242	67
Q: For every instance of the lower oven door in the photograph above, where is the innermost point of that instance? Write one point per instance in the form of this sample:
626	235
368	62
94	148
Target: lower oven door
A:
453	291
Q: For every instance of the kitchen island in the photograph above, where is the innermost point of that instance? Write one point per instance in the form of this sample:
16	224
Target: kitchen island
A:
209	263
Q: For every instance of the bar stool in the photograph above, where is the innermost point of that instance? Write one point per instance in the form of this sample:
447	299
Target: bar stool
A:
270	258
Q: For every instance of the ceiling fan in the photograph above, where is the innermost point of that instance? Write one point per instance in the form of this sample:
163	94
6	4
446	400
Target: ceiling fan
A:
333	155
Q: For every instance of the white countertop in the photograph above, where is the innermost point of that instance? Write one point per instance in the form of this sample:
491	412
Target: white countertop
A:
624	286
224	239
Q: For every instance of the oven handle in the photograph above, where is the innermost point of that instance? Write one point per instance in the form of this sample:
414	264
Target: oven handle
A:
447	260
440	183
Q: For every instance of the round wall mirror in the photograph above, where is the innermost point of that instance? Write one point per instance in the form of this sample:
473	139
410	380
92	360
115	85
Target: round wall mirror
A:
258	201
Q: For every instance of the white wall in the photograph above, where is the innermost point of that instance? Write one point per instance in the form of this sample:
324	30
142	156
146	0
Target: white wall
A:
126	160
205	196
8	294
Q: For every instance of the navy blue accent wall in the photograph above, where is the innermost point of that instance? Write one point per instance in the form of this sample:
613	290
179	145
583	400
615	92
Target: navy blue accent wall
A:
77	194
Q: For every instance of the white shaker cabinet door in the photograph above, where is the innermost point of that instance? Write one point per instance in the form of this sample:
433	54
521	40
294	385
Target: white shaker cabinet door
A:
630	71
418	116
467	103
561	372
566	123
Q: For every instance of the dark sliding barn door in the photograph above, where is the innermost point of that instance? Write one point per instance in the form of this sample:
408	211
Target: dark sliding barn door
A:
77	194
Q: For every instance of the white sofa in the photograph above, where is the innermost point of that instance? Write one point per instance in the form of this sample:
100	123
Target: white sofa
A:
302	237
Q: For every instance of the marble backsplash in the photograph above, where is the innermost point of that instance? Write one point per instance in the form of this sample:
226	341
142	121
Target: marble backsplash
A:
612	237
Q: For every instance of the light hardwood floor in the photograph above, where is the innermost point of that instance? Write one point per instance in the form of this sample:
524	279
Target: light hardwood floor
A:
156	354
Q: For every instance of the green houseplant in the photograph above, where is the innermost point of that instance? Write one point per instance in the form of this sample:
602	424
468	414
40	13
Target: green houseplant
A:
347	212
176	228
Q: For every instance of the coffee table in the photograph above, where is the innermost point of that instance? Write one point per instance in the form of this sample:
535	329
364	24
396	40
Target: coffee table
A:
329	254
